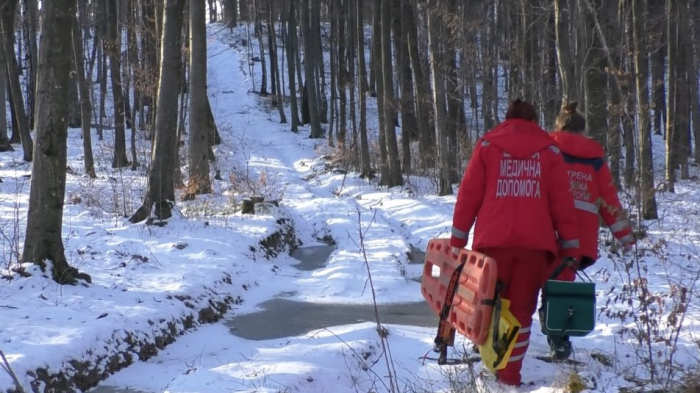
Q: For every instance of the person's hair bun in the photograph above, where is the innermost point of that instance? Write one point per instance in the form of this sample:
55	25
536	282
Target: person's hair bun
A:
571	107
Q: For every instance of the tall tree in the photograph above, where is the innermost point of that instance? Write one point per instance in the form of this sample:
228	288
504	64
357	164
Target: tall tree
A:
4	140
407	109
693	64
683	97
261	46
395	177
366	166
113	46
596	82
421	86
672	120
658	41
439	106
231	13
43	243
199	179
646	162
309	68
84	89
160	193
292	52
8	8
565	56
31	20
274	63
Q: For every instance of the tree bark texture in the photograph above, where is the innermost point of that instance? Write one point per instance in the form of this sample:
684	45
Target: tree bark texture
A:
646	162
161	190
198	160
44	243
85	104
7	17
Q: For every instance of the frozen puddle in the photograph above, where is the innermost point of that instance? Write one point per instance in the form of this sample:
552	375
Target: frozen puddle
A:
112	389
312	257
287	318
284	318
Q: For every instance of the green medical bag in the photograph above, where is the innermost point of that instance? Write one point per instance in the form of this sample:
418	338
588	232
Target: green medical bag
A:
568	308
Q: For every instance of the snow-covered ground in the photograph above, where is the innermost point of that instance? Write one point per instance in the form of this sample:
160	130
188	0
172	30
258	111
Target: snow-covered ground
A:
146	278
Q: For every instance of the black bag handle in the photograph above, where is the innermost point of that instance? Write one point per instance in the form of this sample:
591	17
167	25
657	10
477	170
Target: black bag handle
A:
568	263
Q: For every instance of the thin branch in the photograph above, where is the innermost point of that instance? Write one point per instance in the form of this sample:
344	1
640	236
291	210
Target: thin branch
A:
8	369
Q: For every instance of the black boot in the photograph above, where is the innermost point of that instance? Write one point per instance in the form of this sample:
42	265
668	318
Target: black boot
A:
560	346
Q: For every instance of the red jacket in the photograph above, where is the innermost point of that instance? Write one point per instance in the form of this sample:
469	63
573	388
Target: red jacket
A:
593	189
517	190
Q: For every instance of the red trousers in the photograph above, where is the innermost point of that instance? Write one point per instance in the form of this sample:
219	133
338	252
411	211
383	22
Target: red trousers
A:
522	273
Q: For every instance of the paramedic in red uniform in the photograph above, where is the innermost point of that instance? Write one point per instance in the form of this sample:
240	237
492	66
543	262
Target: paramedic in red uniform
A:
594	194
517	190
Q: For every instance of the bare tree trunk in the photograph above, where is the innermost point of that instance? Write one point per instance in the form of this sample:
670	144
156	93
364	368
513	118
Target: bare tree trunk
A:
137	80
292	53
646	162
353	82
426	144
672	120
161	189
333	58
403	66
85	105
231	13
31	21
693	75
113	46
616	110
551	106
199	179
683	88
455	99
212	11
100	37
319	69
74	102
4	140
363	90
7	17
595	78
444	184
659	42
395	179
43	240
309	66
374	50
628	125
565	55
261	45
149	54
343	75
274	63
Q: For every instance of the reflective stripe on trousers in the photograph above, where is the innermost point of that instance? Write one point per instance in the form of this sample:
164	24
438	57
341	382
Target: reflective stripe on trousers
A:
521	345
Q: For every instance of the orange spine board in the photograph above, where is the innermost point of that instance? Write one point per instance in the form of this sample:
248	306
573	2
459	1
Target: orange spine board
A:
471	309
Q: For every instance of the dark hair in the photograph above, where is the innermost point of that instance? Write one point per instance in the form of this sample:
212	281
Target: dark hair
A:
519	109
569	119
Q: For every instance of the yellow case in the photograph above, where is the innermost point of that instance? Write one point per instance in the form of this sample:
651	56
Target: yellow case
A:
507	323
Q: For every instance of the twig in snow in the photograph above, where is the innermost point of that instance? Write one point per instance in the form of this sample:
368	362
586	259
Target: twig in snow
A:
8	369
393	384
